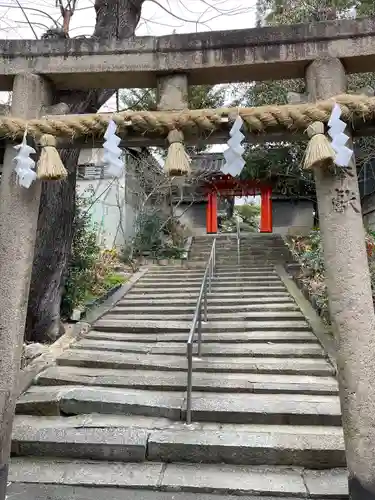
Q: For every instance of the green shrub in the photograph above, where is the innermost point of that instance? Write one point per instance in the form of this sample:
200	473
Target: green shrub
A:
90	271
80	276
148	237
113	280
155	237
309	253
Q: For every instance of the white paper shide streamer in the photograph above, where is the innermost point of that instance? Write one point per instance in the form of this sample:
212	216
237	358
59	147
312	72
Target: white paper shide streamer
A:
112	152
234	162
25	166
339	139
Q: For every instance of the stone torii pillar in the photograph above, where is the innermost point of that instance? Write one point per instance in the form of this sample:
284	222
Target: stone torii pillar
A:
172	95
349	293
19	210
172	92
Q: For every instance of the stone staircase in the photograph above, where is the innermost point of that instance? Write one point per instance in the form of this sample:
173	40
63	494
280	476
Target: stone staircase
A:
255	248
266	412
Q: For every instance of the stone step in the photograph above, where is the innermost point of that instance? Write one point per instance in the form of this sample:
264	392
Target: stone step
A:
75	400
164	275
232	244
244	252
232	247
217	289
199	273
115	324
25	491
129	361
244	256
239	268
196	282
243	239
289	446
223	338
178	269
125	444
257	278
227	296
245	260
233	284
232	251
321	447
262	409
194	272
143	300
274	254
244	245
246	238
139	481
212	349
176	381
160	314
245	235
132	307
166	286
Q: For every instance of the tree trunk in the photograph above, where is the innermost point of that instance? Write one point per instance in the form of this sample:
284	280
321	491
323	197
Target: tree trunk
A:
114	19
52	249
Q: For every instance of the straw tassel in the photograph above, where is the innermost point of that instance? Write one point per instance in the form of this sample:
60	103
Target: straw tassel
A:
319	152
177	162
50	166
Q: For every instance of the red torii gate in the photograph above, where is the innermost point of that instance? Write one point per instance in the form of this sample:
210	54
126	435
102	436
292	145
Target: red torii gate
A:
229	186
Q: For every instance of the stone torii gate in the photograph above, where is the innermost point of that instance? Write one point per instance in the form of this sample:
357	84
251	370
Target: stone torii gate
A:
322	54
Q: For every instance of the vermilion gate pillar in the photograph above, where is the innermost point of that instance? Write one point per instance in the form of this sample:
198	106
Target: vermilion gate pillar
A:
266	210
211	214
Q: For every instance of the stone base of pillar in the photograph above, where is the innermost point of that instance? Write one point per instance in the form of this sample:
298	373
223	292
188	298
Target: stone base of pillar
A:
358	492
3	480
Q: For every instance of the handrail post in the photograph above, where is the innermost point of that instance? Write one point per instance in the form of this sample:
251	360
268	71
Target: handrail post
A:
214	257
205	302
238	241
197	326
189	382
210	276
200	330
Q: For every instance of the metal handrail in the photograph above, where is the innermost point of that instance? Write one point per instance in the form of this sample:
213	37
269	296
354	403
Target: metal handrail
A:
197	322
238	239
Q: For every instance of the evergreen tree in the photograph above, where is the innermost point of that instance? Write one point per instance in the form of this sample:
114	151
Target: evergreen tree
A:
280	164
200	97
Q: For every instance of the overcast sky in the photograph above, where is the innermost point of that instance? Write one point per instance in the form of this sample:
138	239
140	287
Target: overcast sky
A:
157	17
26	19
29	20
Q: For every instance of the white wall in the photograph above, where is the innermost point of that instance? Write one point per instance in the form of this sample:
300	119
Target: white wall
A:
116	202
112	216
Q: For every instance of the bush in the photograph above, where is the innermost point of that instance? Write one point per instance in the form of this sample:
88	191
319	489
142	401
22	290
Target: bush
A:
90	271
80	277
148	237
155	237
308	252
